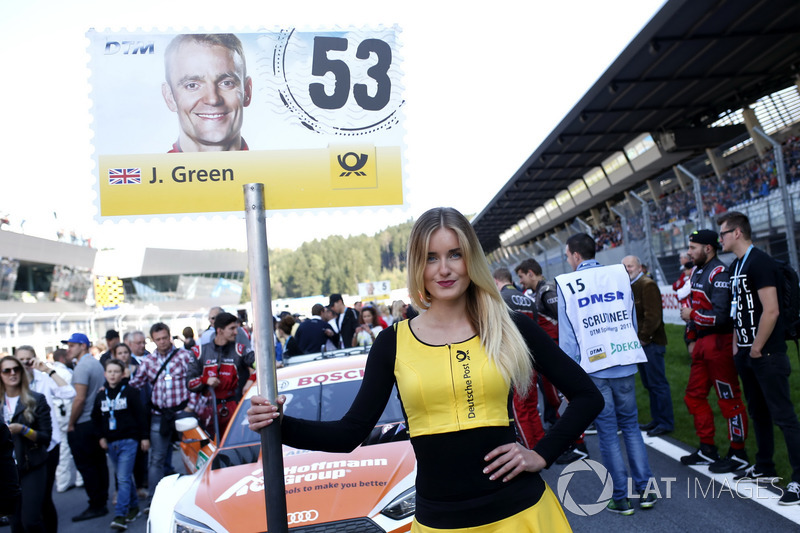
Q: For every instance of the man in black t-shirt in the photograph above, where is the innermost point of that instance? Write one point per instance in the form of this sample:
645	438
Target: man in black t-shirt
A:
761	359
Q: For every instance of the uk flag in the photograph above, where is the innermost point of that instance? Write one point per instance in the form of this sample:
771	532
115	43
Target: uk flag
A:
124	176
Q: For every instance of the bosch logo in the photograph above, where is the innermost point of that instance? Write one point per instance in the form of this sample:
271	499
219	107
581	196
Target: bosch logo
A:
302	517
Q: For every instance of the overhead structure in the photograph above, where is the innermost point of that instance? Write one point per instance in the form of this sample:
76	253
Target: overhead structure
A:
651	109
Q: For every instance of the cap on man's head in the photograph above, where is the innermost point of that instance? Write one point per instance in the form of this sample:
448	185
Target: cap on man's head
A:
78	338
334	298
705	236
112	334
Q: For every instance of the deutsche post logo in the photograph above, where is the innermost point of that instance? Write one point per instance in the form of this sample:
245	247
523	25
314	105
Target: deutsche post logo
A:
352	163
353	167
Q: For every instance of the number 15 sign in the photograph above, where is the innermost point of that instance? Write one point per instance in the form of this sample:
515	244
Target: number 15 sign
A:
182	121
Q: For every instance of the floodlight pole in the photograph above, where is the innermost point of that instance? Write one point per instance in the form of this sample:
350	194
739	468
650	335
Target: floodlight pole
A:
698	197
788	214
261	297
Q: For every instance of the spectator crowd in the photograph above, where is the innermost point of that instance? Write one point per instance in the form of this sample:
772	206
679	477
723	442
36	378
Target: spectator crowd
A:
750	180
66	415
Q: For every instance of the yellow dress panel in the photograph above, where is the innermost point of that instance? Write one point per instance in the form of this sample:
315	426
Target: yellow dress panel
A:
448	388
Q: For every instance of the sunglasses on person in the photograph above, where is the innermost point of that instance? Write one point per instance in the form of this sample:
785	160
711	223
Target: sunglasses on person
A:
12	370
28	362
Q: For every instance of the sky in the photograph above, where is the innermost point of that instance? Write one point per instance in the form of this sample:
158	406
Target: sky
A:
484	86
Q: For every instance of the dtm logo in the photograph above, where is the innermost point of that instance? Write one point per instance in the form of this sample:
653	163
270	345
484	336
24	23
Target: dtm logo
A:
600	298
350	166
130	48
596	353
301	517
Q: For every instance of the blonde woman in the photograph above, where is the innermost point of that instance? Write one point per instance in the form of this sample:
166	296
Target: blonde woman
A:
468	353
28	418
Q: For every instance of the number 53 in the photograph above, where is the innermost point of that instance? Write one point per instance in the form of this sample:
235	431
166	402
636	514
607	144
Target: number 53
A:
322	64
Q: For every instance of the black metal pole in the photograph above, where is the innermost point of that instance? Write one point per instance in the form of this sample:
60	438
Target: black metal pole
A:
217	436
261	297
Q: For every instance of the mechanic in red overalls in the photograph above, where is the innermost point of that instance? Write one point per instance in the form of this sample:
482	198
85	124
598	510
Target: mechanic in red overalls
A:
224	366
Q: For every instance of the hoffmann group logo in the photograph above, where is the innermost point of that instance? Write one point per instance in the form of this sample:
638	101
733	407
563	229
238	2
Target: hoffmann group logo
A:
586	509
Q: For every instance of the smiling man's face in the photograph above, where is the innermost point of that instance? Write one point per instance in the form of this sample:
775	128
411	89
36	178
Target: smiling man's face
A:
208	89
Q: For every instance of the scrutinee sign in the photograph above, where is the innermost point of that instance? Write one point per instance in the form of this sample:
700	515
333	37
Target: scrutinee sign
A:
182	121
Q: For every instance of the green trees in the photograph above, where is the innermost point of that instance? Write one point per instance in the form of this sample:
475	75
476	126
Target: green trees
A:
338	264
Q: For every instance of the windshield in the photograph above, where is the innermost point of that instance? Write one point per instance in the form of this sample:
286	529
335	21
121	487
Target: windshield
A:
323	402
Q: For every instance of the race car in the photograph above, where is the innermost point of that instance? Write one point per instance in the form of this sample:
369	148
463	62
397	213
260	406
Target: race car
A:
368	490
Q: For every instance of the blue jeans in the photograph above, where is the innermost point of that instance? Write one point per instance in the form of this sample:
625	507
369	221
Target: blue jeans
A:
123	454
160	448
654	379
620	412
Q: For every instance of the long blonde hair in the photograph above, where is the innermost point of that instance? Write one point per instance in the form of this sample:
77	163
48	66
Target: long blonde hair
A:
485	307
25	386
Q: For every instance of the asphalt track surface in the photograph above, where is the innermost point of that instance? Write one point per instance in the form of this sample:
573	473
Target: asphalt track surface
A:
695	503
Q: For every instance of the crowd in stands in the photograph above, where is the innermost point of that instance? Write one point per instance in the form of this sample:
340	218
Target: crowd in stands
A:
750	180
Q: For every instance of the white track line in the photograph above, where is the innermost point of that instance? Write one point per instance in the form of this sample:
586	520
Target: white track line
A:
766	498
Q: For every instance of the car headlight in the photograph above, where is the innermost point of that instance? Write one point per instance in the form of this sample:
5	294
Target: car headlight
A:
403	506
184	524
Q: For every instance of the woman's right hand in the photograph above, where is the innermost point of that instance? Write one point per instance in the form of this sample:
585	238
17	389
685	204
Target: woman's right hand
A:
262	412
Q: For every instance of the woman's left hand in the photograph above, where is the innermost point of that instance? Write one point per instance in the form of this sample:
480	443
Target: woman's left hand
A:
14	428
509	460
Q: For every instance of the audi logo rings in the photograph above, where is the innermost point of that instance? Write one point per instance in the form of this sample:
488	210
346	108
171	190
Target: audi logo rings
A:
301	517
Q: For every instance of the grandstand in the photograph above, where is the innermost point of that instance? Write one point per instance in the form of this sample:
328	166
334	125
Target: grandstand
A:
665	140
50	288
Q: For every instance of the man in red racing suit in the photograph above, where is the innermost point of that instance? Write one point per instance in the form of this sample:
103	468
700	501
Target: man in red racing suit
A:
224	366
712	358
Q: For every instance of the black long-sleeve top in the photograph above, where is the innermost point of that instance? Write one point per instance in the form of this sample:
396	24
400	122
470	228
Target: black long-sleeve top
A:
458	409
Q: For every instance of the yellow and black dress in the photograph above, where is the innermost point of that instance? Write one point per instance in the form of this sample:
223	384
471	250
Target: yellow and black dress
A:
458	409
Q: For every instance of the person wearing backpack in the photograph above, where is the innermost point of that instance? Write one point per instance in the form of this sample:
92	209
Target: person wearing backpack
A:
761	358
